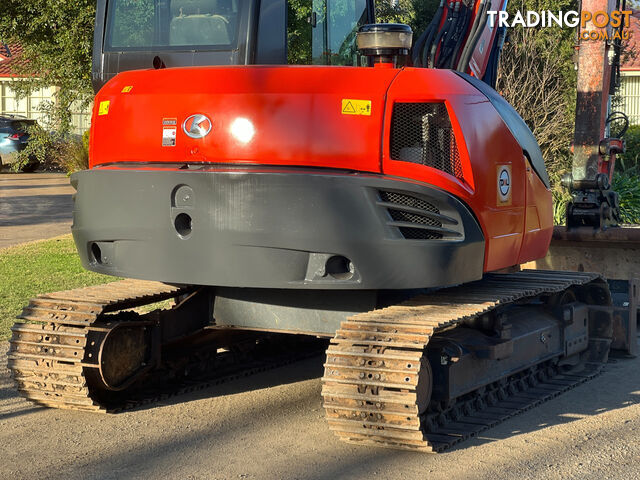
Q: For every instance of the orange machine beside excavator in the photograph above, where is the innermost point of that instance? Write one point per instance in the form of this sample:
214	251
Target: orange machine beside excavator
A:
290	173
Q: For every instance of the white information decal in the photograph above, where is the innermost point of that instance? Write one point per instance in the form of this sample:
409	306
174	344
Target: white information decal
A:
169	131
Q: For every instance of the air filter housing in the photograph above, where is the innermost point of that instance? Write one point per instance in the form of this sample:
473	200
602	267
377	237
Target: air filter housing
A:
385	42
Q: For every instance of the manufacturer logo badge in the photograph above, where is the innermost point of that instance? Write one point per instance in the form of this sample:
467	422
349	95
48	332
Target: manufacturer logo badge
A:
197	126
504	185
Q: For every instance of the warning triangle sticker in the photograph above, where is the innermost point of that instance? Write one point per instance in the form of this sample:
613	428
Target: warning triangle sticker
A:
348	108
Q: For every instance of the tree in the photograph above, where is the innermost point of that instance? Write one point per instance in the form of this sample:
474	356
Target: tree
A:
537	76
535	83
57	39
415	13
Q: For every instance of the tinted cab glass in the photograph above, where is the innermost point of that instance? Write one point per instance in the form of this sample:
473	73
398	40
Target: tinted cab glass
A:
323	32
175	24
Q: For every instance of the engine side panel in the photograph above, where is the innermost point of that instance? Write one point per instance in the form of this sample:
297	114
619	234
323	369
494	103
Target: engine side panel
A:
538	220
496	182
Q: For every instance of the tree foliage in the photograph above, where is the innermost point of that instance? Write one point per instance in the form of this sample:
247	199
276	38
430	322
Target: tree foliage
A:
631	157
299	38
57	38
415	13
133	24
537	76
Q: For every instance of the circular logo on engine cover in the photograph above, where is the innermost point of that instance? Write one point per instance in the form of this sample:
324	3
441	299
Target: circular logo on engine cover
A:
504	185
197	126
504	182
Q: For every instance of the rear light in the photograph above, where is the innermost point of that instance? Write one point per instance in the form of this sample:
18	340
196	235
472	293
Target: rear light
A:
17	136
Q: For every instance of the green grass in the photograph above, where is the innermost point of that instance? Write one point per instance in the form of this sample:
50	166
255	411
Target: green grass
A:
39	267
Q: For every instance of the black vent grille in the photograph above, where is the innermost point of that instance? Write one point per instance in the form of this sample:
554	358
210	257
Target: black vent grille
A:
401	216
413	216
408	201
422	133
419	234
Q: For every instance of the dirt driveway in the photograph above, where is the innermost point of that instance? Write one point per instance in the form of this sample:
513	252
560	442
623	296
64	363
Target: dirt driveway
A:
271	426
34	206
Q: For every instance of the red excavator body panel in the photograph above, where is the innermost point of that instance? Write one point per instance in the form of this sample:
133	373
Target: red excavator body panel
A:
297	116
293	110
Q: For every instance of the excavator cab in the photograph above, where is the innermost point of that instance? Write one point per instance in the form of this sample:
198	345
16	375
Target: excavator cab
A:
139	34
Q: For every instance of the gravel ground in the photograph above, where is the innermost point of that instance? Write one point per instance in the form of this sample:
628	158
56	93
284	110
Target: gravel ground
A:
34	206
271	425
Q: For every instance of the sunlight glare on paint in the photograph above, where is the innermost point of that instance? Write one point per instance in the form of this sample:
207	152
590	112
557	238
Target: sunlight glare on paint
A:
243	130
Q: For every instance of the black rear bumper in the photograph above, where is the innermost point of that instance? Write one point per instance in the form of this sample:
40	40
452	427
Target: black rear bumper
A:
274	228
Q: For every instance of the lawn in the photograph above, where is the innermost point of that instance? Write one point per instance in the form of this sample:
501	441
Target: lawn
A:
39	267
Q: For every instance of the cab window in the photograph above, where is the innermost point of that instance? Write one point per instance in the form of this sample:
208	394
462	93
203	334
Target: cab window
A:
323	32
172	24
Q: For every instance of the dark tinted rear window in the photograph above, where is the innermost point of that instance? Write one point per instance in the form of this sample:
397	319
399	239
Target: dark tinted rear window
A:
140	25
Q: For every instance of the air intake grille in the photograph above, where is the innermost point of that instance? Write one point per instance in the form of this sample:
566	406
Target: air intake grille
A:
419	234
405	216
407	200
401	216
422	133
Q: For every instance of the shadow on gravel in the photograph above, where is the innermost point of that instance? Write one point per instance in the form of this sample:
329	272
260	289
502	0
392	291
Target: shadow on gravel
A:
139	459
20	187
613	389
18	412
7	390
364	462
12	404
33	210
292	373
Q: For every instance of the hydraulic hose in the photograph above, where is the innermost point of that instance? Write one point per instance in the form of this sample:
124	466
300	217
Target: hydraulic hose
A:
458	37
472	31
433	27
446	47
491	73
417	47
481	18
464	24
436	42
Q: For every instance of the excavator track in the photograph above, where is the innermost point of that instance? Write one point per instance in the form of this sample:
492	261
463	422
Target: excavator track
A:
375	361
48	359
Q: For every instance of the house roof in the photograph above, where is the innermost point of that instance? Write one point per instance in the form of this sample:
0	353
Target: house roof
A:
633	44
9	58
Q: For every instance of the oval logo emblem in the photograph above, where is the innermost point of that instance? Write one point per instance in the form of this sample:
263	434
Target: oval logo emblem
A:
504	182
197	126
504	185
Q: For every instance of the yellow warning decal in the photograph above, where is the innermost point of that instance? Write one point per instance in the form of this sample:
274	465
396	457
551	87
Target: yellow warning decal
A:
126	89
103	109
356	107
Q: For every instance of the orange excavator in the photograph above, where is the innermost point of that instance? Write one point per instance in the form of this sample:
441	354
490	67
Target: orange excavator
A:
379	193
